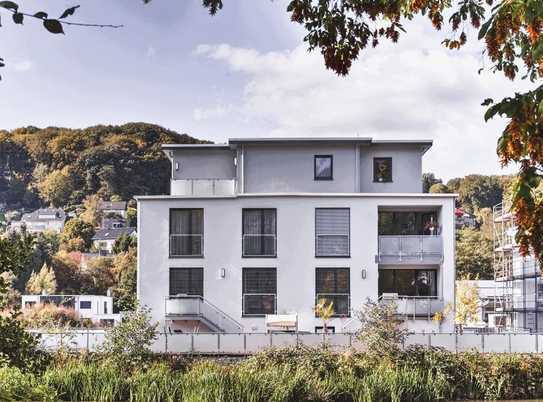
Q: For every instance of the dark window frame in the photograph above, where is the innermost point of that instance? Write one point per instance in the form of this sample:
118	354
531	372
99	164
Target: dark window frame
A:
375	161
262	233
201	255
348	293
85	303
414	270
348	255
243	291
323	178
190	280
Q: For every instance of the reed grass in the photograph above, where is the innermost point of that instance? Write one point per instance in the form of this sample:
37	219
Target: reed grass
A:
294	374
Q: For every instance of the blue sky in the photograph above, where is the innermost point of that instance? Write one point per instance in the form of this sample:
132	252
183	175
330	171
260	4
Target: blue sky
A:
245	72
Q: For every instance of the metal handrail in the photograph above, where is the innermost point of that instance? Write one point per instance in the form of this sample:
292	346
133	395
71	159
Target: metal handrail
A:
420	252
426	311
200	235
347	236
204	301
259	294
323	296
273	235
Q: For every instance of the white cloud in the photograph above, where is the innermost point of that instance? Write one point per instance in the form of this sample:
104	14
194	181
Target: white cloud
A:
213	112
23	66
415	89
150	52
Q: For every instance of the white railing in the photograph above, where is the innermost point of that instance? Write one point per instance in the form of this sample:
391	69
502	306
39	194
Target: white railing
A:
411	249
249	343
176	245
252	295
259	245
203	187
413	307
196	307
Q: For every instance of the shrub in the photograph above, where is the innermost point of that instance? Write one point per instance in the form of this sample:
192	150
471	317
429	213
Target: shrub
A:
17	385
129	343
50	316
381	330
19	348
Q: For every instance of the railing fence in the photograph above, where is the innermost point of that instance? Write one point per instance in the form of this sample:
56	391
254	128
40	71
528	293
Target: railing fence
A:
249	343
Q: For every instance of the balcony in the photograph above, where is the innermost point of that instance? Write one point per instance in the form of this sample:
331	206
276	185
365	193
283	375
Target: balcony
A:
194	307
414	307
203	187
410	249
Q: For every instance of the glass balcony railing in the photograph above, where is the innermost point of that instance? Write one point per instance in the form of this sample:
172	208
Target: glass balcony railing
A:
203	187
410	249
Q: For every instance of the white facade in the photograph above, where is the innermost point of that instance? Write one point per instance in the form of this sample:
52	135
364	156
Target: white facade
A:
281	176
97	308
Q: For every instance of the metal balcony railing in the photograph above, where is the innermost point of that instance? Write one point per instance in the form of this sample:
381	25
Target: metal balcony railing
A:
262	300
203	187
186	245
259	245
413	307
191	307
410	249
341	302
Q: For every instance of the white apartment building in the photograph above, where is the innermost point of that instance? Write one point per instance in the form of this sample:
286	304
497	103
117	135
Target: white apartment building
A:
260	228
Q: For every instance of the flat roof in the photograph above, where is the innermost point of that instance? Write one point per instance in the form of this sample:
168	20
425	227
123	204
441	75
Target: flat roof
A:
233	142
324	195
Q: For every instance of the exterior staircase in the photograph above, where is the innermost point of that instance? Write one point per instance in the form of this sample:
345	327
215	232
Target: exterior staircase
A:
194	308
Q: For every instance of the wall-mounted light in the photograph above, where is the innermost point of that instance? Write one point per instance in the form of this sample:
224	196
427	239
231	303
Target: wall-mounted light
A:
363	272
176	166
222	273
235	160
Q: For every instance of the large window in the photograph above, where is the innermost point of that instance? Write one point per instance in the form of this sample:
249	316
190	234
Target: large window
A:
332	232
382	170
259	291
259	232
408	223
187	281
186	232
334	285
408	282
324	167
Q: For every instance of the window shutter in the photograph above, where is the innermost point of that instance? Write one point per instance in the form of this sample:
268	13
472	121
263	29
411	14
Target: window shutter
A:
332	228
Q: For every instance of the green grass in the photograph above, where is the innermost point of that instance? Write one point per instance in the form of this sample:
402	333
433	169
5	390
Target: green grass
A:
291	374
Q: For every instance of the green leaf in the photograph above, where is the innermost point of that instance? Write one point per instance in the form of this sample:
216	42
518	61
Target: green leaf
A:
492	111
10	5
487	102
484	28
69	11
53	26
40	14
18	18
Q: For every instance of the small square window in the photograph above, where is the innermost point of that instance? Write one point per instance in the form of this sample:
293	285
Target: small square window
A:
382	170
324	167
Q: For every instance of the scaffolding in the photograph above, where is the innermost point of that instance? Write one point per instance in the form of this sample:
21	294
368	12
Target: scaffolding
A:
518	285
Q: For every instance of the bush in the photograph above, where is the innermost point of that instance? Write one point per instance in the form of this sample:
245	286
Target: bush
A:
18	348
17	385
50	316
129	343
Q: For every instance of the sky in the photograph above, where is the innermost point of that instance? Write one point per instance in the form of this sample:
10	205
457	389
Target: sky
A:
246	72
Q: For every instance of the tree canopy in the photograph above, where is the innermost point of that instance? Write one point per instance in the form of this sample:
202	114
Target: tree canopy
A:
64	167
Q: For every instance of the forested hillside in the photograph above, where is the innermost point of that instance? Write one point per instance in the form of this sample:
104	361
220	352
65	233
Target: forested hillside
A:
61	166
